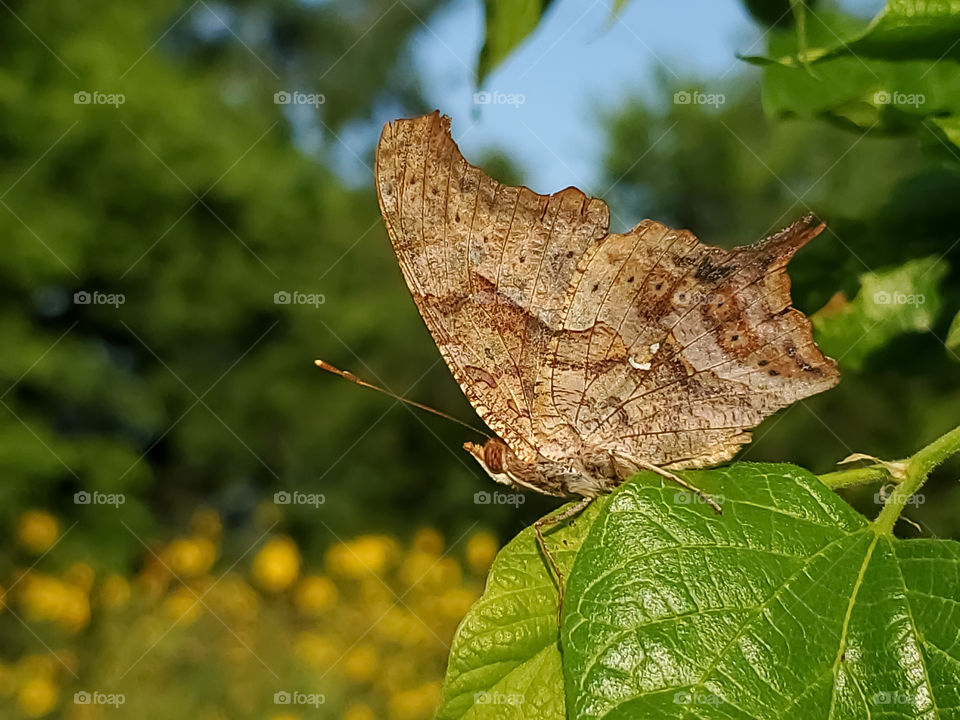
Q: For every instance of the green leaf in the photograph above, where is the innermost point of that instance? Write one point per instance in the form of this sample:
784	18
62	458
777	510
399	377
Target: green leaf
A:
889	76
789	604
508	23
953	338
905	299
505	659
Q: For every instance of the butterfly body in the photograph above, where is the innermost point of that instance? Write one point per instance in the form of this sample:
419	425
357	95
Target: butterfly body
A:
590	354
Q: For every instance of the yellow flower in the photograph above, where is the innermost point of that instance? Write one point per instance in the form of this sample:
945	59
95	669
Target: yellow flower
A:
49	598
455	602
362	556
429	541
190	557
182	605
206	523
37	530
233	597
8	680
360	664
37	697
316	594
316	649
81	575
115	592
481	550
277	564
359	711
414	704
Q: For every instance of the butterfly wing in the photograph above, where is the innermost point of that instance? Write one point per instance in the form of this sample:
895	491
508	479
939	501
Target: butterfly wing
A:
489	266
670	350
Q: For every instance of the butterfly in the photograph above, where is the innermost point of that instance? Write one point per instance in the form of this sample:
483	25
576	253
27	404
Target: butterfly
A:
590	354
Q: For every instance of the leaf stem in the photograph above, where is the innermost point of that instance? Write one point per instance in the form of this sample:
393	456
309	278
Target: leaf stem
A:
854	476
918	469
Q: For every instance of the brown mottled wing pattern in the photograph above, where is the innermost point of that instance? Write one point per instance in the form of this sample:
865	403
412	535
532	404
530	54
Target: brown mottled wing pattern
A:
670	349
489	266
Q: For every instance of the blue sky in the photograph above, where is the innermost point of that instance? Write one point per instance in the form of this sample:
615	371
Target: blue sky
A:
580	63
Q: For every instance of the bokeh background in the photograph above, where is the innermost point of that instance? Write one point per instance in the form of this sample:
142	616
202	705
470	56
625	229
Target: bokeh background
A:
158	392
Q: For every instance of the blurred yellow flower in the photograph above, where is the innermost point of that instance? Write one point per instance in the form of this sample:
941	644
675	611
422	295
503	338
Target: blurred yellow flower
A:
429	541
481	550
414	704
359	711
115	592
360	664
233	597
455	602
358	558
429	570
277	564
190	557
81	575
8	680
49	598
37	530
182	605
316	649
37	697
316	594
206	523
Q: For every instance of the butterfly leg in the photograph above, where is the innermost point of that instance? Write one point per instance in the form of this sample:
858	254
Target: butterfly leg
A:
547	521
680	481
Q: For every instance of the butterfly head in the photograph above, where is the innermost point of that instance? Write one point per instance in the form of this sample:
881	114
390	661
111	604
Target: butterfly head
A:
493	457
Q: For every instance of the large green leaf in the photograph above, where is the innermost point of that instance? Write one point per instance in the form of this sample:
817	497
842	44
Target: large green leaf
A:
904	299
505	659
788	605
508	23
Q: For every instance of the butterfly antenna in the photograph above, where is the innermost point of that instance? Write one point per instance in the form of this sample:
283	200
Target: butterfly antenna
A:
323	365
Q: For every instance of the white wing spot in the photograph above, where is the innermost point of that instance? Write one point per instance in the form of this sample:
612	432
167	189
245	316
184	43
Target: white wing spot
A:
638	366
654	348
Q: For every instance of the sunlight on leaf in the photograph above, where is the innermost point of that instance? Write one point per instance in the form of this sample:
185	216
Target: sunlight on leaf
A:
508	24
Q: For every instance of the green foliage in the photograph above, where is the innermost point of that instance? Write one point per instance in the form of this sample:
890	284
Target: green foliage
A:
789	603
953	337
905	299
508	22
